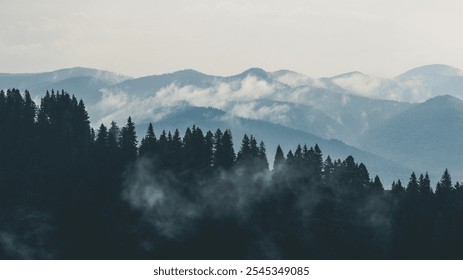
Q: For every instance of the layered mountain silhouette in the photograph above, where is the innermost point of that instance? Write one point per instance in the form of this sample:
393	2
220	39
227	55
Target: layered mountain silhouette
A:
395	125
426	136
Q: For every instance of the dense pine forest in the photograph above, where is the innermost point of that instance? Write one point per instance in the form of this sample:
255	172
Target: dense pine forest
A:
70	192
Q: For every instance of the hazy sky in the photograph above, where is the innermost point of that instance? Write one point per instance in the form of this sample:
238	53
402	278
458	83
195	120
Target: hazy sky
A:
317	38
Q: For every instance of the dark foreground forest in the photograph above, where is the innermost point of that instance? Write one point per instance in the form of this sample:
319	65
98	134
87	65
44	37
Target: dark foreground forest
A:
69	192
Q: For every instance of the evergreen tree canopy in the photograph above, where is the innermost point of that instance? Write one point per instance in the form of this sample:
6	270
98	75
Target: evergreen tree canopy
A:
279	160
397	188
68	191
424	184
444	187
224	153
148	143
376	185
412	186
129	149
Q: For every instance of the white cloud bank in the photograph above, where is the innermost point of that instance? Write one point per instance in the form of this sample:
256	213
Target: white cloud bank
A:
236	97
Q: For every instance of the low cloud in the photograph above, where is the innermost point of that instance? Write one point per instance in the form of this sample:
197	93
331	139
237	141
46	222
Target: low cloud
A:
228	96
276	113
168	204
297	80
116	106
158	196
360	84
416	89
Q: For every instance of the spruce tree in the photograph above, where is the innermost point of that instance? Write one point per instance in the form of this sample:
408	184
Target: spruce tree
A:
129	142
444	188
224	154
412	186
290	159
424	185
217	147
328	171
397	188
148	143
229	156
245	150
376	185
317	163
162	147
29	110
298	158
176	151
209	148
101	141
363	178
81	123
262	156
253	148
279	160
114	137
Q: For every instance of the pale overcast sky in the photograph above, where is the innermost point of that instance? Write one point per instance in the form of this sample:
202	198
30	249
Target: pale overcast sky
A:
143	37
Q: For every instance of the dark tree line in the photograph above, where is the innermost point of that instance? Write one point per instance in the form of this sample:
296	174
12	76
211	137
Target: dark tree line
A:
69	192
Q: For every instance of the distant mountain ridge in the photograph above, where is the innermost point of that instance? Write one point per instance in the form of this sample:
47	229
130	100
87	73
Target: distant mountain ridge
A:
63	74
84	82
386	117
415	85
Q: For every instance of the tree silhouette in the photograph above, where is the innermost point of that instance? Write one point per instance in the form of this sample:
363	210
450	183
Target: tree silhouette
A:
224	154
129	142
148	143
69	191
279	160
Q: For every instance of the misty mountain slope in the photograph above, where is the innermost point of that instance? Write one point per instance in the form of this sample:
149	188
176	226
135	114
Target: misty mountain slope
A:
435	80
415	85
293	115
84	87
31	80
148	85
355	114
430	72
428	136
354	82
344	107
282	97
272	135
317	106
84	83
255	72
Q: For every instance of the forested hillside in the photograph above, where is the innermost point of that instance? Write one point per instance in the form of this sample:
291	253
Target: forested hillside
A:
69	192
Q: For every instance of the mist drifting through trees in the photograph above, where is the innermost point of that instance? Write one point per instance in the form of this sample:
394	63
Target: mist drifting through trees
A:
70	192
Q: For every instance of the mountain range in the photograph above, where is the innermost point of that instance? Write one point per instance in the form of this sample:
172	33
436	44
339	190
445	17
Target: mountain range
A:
412	122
